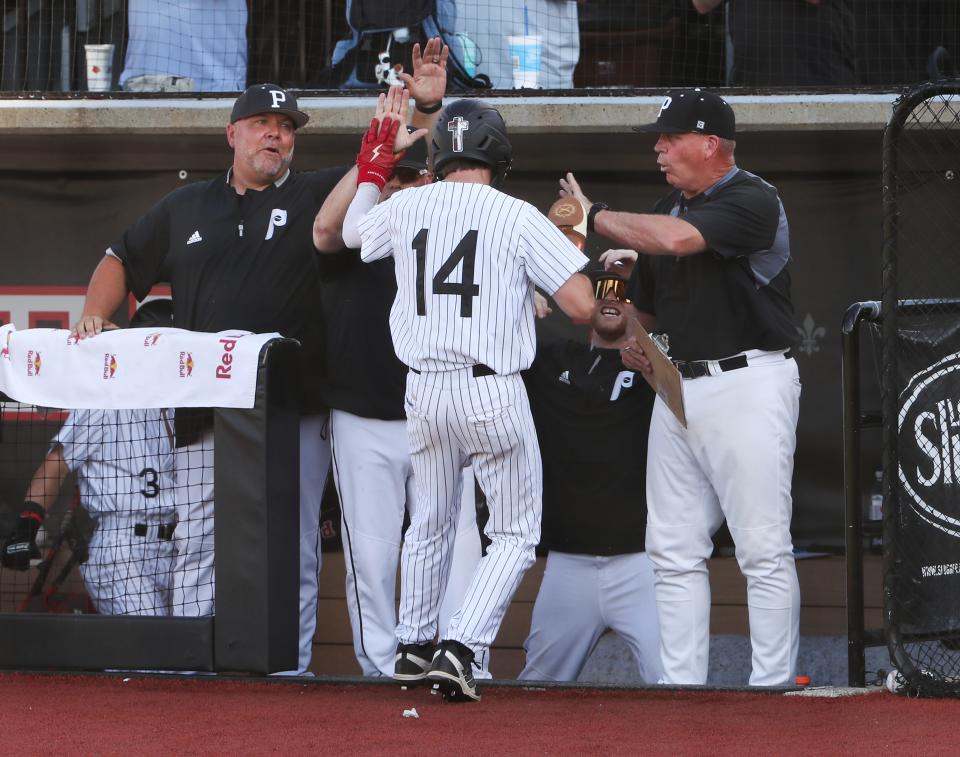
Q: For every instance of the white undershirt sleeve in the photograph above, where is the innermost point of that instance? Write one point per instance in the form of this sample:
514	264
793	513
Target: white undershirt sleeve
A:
366	197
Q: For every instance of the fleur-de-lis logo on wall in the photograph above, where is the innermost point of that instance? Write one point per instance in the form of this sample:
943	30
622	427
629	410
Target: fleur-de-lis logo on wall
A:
809	334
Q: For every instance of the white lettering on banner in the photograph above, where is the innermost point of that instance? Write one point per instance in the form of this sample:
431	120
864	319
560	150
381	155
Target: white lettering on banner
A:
167	367
946	569
278	97
929	445
624	381
943	450
667	101
278	217
54	307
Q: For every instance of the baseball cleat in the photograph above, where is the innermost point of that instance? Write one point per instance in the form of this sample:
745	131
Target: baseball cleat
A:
569	215
452	672
412	662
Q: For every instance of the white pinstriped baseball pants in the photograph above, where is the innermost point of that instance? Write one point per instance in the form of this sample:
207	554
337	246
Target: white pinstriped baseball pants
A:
128	574
374	478
453	418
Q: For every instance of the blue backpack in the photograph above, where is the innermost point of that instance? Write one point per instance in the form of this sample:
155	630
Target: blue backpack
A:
383	33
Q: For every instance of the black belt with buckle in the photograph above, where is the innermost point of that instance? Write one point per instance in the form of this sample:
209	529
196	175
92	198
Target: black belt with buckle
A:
164	530
691	369
478	370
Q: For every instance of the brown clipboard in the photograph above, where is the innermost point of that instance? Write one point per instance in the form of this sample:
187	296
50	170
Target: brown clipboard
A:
666	380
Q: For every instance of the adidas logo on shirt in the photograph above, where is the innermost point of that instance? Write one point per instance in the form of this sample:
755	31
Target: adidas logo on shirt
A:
564	377
195	237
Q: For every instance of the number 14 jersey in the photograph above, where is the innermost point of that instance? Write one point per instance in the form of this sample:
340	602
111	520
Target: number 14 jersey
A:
467	259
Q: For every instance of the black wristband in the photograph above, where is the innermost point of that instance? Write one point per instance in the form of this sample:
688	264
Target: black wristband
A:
592	214
32	510
428	109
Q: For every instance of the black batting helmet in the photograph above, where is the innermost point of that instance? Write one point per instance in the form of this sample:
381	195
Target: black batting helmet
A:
471	130
153	313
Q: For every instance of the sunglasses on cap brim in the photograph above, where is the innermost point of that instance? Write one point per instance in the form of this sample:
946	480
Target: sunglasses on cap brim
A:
603	288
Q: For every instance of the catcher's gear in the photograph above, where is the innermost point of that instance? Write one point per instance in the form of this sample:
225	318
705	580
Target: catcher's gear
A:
376	159
471	130
21	548
570	216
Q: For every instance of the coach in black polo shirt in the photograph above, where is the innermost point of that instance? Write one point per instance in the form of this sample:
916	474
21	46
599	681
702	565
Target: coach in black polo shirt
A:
238	254
712	272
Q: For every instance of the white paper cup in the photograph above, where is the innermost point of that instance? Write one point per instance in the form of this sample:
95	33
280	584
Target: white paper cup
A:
525	53
99	67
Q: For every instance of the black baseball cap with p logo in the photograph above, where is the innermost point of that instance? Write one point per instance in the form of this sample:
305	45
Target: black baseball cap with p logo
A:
268	98
693	110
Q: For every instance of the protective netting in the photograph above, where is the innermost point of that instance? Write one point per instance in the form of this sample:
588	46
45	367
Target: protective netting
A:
106	481
222	45
921	387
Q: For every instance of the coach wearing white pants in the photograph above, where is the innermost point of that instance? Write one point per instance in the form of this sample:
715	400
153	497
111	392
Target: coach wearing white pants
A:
713	273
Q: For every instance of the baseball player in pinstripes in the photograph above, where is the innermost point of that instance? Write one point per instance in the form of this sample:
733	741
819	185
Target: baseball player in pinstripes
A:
467	258
364	385
123	460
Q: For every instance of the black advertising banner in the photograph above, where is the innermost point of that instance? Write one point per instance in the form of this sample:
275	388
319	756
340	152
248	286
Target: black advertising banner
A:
927	539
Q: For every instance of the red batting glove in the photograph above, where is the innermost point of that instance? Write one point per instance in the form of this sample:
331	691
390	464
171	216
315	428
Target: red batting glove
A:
376	159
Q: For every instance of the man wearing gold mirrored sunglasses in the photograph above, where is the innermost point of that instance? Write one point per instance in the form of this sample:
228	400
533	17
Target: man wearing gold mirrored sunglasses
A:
592	416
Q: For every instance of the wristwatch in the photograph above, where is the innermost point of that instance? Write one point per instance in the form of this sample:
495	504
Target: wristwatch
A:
592	214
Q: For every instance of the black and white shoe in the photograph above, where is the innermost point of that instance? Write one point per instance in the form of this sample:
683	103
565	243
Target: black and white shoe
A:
412	662
452	672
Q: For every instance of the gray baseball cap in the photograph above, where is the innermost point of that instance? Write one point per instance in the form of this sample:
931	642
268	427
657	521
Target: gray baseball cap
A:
694	110
267	98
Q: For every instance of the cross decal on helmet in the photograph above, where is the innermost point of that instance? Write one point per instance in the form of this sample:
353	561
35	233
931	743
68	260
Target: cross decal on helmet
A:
457	126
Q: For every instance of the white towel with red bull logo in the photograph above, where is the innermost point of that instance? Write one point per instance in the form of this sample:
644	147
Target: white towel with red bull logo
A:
130	368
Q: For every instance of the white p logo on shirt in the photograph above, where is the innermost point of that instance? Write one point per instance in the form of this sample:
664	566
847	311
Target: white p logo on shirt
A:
278	97
624	381
278	217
